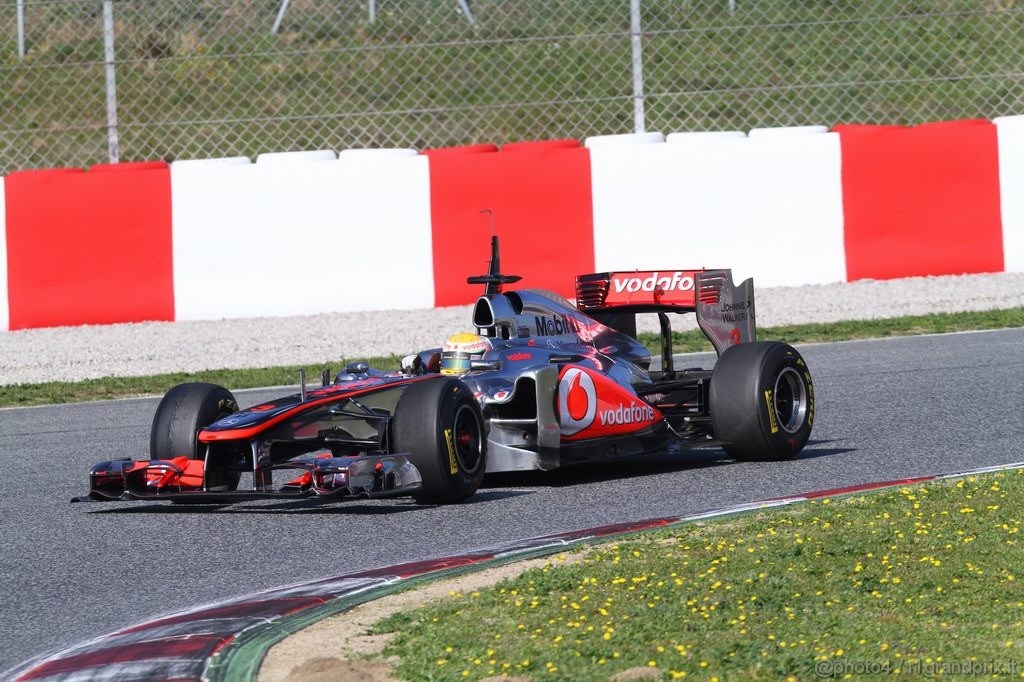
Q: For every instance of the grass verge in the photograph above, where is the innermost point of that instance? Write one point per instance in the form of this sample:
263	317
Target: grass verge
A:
16	395
937	323
54	392
920	579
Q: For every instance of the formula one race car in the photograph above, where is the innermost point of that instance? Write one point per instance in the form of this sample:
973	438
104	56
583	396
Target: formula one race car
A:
542	384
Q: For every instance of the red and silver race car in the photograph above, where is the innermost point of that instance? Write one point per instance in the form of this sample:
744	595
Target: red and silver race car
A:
542	384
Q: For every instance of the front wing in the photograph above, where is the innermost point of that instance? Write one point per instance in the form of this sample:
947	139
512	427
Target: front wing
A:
184	480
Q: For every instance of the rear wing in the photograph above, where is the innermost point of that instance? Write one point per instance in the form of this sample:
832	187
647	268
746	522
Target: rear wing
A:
725	312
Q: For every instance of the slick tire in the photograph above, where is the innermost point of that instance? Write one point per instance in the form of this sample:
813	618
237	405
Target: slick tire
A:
184	411
438	422
762	401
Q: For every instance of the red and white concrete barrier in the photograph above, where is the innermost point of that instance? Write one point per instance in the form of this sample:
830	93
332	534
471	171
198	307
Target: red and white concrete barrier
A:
294	235
1010	131
89	247
4	312
767	206
921	201
310	232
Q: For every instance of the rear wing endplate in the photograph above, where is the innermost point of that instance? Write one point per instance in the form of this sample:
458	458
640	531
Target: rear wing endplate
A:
725	312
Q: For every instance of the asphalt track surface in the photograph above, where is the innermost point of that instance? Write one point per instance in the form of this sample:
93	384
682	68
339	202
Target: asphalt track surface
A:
886	409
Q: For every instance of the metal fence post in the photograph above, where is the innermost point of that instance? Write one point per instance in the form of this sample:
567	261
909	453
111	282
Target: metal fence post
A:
638	66
280	17
464	6
114	152
21	28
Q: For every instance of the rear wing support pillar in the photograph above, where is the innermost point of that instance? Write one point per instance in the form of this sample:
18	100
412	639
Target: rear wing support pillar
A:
667	369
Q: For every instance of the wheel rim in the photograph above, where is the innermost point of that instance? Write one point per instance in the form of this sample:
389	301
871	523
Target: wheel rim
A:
790	398
468	441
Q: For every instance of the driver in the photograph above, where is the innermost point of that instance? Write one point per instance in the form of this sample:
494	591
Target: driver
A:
460	350
455	357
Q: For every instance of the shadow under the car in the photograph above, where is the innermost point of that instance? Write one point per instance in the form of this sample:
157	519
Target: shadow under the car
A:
596	472
307	506
643	465
816	452
495	487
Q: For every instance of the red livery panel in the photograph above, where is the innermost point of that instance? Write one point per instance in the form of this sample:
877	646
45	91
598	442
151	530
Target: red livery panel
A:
668	287
591	405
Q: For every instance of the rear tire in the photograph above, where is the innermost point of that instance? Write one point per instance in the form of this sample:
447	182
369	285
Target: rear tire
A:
439	423
184	411
762	401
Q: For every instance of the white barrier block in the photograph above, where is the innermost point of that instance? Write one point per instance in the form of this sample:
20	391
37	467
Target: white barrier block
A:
227	160
1010	133
625	138
382	152
704	137
5	308
788	130
294	239
288	158
769	208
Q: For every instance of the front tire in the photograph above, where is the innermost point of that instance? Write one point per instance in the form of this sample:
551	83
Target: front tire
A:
762	401
184	411
439	423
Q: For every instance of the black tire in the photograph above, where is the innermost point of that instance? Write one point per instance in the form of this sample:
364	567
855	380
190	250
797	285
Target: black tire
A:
184	411
762	401
438	421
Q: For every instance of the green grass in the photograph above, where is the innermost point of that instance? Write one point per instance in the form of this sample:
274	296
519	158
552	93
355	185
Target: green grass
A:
925	575
123	387
107	388
936	323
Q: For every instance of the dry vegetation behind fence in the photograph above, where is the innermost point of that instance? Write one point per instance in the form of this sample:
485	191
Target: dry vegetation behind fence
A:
203	78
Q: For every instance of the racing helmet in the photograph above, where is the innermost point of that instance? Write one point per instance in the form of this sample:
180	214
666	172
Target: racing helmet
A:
460	350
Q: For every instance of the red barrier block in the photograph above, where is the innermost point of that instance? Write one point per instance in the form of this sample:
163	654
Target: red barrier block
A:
922	200
540	197
89	247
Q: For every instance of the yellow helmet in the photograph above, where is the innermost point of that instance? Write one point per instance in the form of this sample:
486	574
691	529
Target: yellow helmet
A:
460	350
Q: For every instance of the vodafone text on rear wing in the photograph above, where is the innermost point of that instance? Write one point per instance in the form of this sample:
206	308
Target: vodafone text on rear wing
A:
725	312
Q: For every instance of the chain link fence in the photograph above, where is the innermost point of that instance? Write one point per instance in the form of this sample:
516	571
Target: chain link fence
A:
205	78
